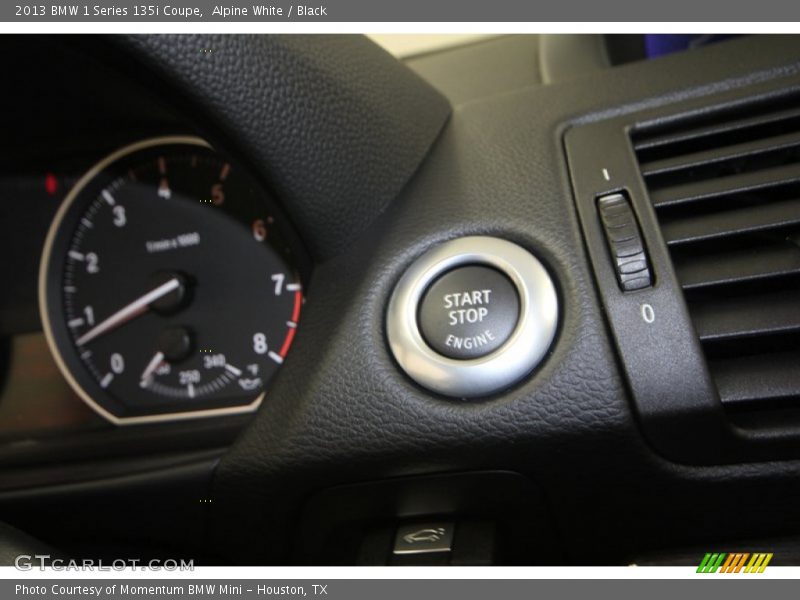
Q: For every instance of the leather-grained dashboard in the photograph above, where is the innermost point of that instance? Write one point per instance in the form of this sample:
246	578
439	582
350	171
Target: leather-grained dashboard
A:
416	171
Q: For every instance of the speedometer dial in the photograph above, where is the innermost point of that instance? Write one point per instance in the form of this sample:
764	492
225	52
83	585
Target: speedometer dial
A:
167	288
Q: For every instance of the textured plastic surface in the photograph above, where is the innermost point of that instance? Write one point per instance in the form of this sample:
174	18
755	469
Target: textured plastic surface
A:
672	389
342	412
486	68
340	523
334	124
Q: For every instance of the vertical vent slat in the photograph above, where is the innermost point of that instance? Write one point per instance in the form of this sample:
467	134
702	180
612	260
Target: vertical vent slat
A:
768	378
726	189
722	127
745	316
717	156
721	224
751	182
699	272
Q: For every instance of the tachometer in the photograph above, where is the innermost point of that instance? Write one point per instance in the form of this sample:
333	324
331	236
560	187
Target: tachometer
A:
167	290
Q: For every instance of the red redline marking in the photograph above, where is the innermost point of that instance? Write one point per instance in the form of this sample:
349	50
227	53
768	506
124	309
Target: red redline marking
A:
287	342
298	302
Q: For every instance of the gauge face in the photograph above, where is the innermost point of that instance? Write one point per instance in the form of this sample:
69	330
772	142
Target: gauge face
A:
167	290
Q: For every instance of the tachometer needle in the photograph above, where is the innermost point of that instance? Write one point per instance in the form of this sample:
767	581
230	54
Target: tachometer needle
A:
132	310
147	374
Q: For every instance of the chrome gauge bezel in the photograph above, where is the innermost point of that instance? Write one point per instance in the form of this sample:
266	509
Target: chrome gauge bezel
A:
58	340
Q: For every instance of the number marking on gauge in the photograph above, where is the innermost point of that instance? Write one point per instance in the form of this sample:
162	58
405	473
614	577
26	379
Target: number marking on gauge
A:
100	273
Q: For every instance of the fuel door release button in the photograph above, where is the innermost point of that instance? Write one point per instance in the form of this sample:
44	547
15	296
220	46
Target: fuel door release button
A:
469	312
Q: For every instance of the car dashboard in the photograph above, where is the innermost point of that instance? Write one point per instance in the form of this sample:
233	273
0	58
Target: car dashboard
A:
274	299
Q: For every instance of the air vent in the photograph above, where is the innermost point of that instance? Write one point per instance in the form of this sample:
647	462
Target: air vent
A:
726	189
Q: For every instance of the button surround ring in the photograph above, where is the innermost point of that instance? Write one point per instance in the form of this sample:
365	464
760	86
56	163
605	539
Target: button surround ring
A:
505	366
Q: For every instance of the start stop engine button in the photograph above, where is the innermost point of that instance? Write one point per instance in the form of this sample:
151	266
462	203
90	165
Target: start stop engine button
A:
472	316
469	312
